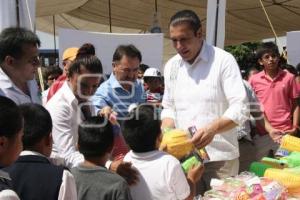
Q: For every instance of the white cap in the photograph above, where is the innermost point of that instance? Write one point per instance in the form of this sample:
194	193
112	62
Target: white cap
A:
152	72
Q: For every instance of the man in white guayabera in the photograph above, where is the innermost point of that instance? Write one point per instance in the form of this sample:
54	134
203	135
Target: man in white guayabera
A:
204	88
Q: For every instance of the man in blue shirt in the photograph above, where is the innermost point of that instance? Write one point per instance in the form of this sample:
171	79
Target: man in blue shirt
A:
122	88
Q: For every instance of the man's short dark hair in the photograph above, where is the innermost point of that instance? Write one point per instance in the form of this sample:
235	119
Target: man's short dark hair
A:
186	16
267	47
11	120
37	124
142	129
126	50
12	41
90	63
95	137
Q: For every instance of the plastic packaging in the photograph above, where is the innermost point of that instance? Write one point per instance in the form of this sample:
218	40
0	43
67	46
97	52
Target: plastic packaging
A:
290	143
259	168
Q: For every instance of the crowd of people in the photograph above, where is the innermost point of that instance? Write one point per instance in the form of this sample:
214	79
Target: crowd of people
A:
88	136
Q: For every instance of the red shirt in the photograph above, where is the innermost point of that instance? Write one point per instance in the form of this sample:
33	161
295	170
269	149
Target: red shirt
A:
56	85
275	97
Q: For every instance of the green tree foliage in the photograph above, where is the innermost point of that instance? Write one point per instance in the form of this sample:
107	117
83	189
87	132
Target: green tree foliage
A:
244	54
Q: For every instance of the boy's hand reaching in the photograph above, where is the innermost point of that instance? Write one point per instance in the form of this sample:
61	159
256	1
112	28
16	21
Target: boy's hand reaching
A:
195	173
125	170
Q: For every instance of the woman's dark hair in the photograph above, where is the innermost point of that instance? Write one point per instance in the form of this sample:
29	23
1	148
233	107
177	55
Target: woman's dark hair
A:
86	50
92	64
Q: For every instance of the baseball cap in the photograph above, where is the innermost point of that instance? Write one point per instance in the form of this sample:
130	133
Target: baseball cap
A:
152	72
70	53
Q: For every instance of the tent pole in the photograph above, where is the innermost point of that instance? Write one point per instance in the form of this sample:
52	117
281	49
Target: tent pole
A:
18	13
109	15
216	23
54	37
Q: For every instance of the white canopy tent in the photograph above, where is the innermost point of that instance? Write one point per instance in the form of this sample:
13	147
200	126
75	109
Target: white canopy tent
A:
245	19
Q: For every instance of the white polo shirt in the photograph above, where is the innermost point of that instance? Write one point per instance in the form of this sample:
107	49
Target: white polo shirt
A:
206	90
10	90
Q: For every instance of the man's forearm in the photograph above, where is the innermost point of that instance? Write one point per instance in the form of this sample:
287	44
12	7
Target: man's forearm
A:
220	125
295	113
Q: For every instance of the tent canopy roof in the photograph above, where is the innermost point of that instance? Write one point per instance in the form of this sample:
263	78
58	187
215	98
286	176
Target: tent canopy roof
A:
245	19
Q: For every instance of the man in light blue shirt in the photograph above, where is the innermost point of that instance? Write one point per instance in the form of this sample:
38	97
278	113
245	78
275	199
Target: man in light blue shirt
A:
122	88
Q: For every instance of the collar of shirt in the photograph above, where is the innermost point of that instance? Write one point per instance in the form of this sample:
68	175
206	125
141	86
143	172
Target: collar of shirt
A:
203	55
145	155
31	153
279	74
5	81
4	175
116	84
68	93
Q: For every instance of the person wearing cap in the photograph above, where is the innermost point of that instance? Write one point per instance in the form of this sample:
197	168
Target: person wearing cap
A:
69	56
19	60
204	88
152	81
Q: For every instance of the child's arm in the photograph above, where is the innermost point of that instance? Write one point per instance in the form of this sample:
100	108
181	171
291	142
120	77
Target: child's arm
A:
193	176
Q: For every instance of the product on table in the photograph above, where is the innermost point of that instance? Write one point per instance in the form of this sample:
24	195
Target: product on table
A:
290	180
189	163
275	163
290	143
177	143
259	168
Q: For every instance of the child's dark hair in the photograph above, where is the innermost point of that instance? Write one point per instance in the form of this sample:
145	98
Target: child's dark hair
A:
267	47
37	124
142	129
95	137
11	120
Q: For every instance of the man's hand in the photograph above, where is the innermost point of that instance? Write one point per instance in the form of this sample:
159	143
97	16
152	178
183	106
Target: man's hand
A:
292	131
109	113
125	170
202	137
276	135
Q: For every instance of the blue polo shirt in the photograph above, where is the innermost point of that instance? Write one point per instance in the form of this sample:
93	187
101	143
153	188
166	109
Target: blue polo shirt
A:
111	93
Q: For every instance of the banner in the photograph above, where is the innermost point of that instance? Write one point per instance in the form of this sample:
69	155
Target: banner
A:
293	47
150	45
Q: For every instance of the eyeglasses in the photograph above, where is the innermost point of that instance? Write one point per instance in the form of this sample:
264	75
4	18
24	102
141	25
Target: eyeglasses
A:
127	70
35	61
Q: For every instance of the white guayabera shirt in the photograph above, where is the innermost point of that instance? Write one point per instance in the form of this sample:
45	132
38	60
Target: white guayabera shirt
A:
208	89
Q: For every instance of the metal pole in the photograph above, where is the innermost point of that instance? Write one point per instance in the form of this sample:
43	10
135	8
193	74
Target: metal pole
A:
109	15
18	13
217	21
54	37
